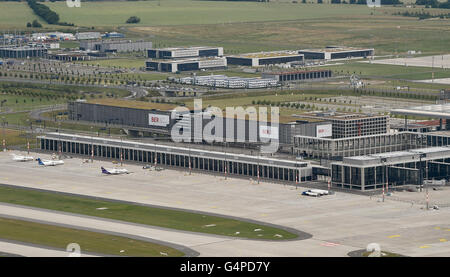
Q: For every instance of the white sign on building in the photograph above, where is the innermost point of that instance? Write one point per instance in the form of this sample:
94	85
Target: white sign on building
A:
158	119
324	131
268	132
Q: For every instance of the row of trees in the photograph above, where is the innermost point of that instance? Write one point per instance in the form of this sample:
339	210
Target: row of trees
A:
434	4
423	15
44	12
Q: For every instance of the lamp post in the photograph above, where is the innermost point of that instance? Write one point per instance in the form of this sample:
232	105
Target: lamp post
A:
92	146
3	130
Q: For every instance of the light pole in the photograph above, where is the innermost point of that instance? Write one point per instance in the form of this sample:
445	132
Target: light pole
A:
4	137
59	141
92	146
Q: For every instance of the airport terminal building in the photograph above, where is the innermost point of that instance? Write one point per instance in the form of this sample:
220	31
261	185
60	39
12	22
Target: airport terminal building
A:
395	168
254	167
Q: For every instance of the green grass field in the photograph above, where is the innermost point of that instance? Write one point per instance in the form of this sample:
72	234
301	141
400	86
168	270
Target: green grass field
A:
16	15
389	71
15	137
187	12
22	103
194	222
252	26
60	237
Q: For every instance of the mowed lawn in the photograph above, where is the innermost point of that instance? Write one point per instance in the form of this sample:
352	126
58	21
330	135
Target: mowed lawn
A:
91	242
167	218
187	12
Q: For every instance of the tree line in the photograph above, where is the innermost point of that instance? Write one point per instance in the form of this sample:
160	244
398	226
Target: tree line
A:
46	13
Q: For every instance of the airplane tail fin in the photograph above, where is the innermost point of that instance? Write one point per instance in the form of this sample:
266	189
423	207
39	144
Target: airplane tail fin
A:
40	161
104	170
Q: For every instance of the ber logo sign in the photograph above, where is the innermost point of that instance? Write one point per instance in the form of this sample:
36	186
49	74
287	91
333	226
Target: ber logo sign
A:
268	132
324	131
158	120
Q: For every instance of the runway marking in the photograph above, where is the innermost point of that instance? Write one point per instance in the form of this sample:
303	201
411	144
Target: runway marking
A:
424	246
178	202
437	228
447	230
330	244
393	236
442	240
213	207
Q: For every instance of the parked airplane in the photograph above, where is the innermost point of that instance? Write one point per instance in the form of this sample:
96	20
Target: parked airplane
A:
49	162
21	158
114	171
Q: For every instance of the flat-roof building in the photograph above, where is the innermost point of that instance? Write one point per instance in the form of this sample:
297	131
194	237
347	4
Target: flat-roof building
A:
156	118
266	58
222	81
298	75
115	45
398	168
185	52
353	124
250	166
336	53
186	64
22	52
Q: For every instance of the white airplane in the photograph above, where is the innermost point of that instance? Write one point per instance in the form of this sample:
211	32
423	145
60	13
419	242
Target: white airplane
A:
114	171
21	158
319	191
49	162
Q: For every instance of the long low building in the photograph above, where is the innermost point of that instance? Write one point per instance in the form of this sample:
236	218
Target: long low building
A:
222	81
186	64
106	46
254	167
156	118
266	58
299	75
393	169
185	52
337	53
